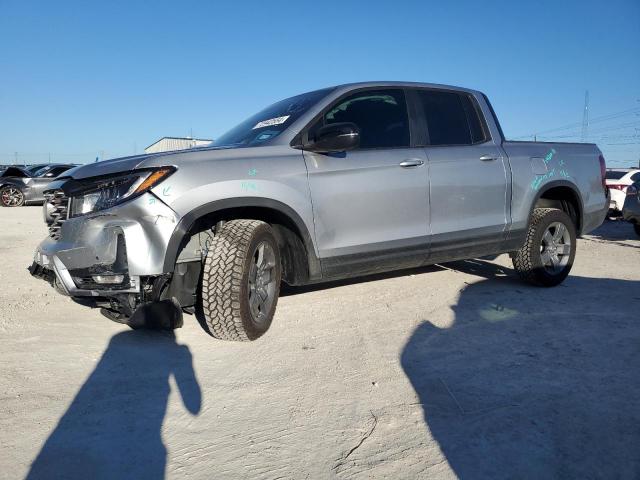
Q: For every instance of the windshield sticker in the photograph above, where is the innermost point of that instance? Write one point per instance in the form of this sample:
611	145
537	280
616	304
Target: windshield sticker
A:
253	172
265	136
271	122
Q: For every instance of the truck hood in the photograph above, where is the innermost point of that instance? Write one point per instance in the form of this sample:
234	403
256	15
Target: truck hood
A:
127	164
106	167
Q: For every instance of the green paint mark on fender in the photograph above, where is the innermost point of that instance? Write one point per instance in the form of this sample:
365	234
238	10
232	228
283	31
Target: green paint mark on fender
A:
249	186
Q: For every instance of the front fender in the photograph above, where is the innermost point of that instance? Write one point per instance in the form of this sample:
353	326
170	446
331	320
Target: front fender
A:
182	231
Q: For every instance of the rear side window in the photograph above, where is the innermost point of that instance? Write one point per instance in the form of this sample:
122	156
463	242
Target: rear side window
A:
452	118
473	116
381	116
635	177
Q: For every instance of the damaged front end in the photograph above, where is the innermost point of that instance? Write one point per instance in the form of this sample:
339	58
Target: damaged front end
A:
112	258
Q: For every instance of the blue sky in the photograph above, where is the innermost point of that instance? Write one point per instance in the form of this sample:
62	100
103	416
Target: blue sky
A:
80	78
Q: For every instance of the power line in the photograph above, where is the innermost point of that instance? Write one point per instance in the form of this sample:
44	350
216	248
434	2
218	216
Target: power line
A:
607	128
571	126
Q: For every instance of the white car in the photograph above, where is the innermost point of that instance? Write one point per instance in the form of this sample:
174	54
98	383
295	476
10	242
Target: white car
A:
618	179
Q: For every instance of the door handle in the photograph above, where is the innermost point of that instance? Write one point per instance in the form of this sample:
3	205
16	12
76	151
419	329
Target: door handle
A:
411	162
488	158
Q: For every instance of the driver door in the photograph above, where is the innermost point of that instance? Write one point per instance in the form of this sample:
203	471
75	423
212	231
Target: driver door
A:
370	205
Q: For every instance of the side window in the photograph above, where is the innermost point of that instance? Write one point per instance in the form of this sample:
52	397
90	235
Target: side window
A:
381	116
476	125
55	171
635	177
452	118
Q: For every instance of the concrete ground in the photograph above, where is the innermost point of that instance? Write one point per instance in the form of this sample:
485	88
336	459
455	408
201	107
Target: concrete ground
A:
457	370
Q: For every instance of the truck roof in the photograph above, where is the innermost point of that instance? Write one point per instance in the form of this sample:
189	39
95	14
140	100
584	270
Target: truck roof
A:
387	83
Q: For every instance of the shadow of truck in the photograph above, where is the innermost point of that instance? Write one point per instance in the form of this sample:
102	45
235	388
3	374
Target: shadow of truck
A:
533	383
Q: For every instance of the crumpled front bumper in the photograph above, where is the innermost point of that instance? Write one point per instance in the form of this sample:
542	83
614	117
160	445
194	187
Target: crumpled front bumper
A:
129	240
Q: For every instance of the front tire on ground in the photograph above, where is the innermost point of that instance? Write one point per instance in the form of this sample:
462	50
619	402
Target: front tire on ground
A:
240	281
547	256
11	197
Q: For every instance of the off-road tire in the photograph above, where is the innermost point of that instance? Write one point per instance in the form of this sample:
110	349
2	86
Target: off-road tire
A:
5	191
223	308
636	227
528	262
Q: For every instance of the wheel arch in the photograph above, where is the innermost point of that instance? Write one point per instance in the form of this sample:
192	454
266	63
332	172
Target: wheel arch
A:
563	195
300	263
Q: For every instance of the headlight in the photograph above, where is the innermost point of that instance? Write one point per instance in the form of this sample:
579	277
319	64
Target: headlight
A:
92	195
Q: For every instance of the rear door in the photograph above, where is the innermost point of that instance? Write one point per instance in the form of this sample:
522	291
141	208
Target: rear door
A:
468	174
371	204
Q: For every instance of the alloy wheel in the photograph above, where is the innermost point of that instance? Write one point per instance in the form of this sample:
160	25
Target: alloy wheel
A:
12	197
262	286
555	249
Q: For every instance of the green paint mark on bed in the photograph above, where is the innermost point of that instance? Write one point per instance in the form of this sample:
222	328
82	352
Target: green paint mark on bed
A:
537	182
549	155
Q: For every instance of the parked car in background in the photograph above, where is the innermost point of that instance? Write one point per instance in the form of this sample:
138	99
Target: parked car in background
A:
346	181
19	186
631	208
18	171
618	179
32	169
29	168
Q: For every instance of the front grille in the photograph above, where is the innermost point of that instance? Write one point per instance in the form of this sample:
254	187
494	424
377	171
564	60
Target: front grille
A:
57	206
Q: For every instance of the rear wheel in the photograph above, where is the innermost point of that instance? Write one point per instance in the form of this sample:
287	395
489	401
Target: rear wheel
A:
547	256
11	197
240	281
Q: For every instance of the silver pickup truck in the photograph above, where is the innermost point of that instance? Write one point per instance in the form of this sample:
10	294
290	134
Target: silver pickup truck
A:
335	183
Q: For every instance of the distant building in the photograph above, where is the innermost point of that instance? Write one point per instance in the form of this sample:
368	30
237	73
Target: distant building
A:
169	144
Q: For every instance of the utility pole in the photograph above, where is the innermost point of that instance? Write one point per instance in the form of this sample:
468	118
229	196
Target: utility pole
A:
585	118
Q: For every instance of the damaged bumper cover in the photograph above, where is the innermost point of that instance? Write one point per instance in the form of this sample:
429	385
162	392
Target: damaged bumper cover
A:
106	253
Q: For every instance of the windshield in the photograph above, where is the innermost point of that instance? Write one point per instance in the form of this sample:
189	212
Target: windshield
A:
270	122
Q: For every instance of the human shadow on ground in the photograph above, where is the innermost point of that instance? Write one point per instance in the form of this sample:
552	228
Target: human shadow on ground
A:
532	382
112	429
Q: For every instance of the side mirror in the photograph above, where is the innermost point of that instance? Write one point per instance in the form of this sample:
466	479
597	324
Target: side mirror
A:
335	137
